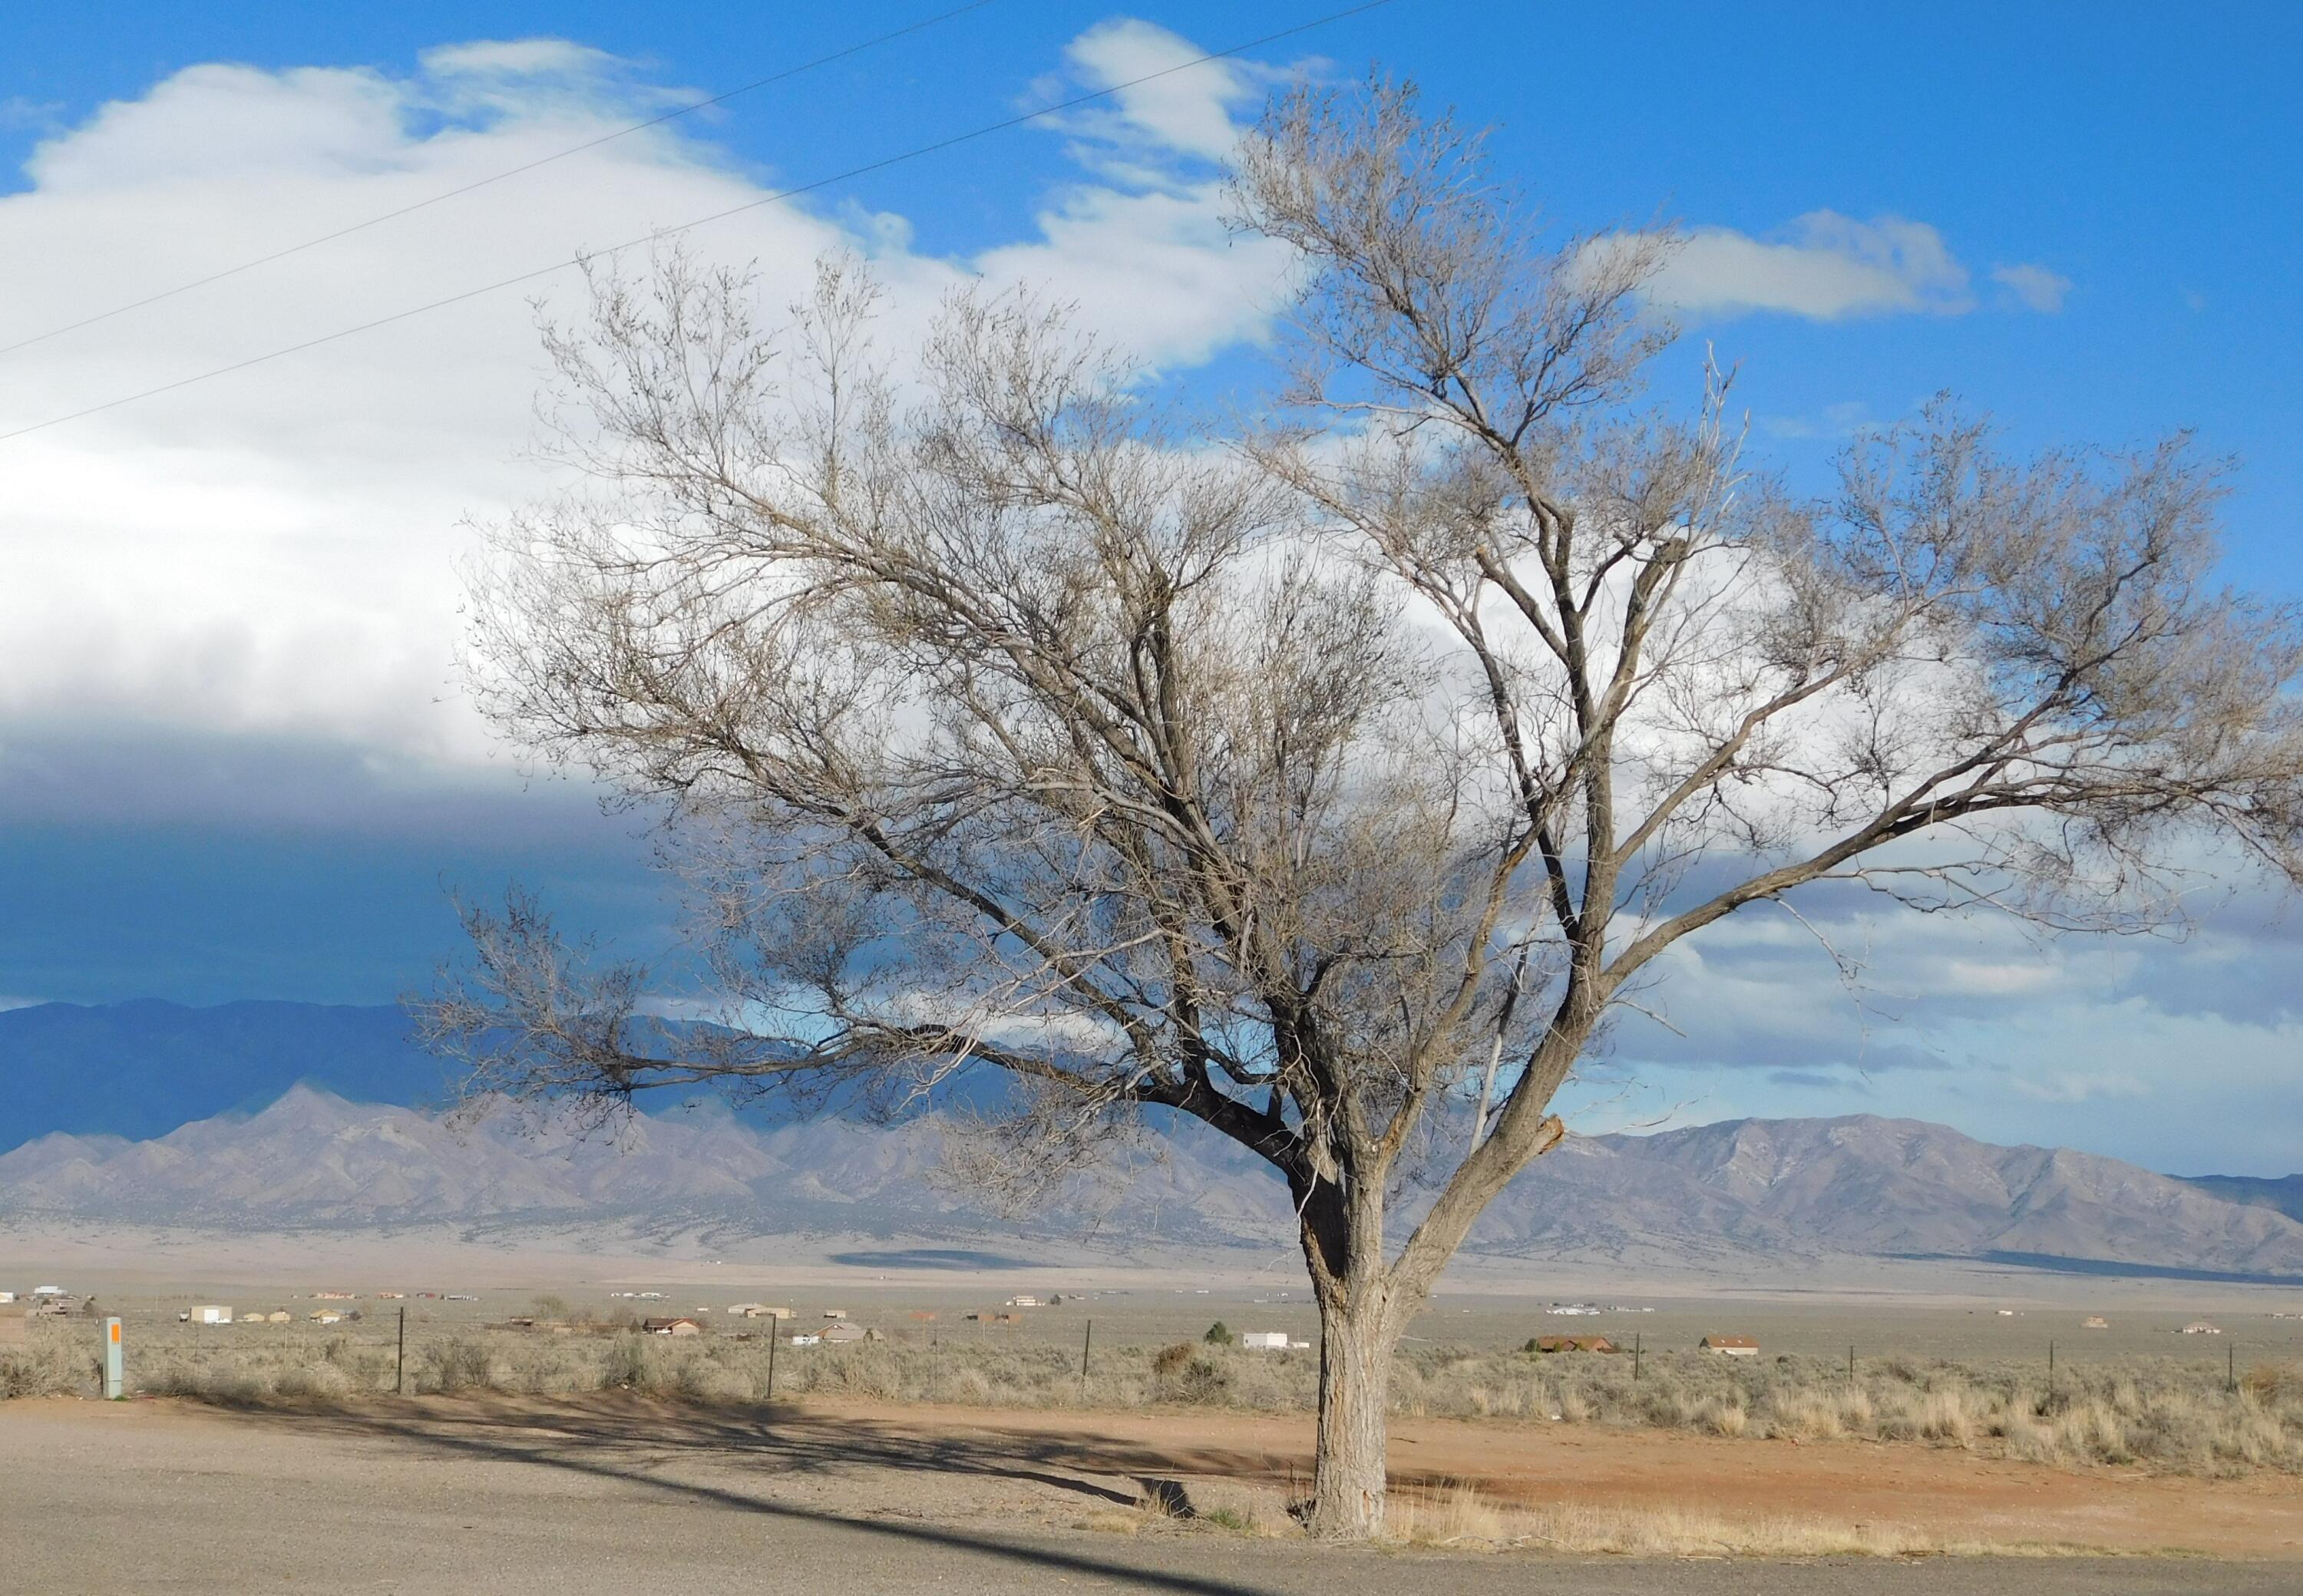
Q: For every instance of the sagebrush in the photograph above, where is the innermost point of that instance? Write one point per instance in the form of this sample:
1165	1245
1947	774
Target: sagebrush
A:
2166	1414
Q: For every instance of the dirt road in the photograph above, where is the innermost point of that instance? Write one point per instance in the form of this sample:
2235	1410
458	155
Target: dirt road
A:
622	1495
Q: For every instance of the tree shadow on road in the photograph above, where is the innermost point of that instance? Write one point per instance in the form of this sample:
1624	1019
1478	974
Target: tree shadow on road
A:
643	1442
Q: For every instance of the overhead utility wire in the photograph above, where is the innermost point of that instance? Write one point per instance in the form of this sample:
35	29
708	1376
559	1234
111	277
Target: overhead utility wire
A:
575	149
823	183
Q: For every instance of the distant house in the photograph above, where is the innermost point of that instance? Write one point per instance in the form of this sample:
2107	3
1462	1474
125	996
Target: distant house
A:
2200	1327
806	1339
2096	1321
7	1296
1268	1341
923	1315
277	1316
672	1327
846	1330
48	1291
324	1316
212	1314
1729	1345
1578	1343
835	1312
1022	1302
334	1297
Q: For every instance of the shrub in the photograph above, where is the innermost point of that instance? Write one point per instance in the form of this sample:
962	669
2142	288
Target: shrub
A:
1219	1335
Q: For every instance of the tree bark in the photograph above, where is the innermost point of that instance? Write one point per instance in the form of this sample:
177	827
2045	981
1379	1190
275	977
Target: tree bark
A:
1348	1480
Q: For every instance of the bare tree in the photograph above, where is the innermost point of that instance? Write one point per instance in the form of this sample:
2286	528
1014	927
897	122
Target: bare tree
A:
1295	780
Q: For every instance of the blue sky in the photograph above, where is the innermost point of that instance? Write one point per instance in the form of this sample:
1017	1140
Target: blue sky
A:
233	757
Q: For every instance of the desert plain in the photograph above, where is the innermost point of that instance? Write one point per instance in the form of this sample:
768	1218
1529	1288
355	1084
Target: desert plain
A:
528	1433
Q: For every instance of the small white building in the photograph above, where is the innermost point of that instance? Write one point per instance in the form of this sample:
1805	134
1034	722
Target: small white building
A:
48	1291
1022	1302
2200	1327
212	1314
1265	1340
9	1296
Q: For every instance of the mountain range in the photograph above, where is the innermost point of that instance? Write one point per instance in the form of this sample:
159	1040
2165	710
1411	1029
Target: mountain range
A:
1716	1198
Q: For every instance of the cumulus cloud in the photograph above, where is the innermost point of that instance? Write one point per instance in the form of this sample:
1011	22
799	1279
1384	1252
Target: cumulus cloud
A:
274	552
1825	266
1191	108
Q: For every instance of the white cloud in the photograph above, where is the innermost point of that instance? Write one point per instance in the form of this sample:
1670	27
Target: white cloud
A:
1827	266
518	58
274	551
1191	111
2073	1086
2035	287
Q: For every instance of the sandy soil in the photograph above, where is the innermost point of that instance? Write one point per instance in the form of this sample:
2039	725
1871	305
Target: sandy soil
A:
966	1466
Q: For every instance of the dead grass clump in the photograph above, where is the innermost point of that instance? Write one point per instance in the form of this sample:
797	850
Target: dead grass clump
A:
1459	1516
1193	1377
458	1364
45	1365
321	1382
2273	1383
1801	1414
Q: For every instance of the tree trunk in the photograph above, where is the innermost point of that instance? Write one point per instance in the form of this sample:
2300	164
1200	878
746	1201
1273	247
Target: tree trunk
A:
1348	1480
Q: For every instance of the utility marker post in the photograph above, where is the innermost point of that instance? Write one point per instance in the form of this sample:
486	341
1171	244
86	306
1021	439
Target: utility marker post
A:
1087	1341
1635	1355
773	1339
112	1381
400	1358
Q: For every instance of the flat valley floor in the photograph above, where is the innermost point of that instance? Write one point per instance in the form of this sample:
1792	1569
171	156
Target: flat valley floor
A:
616	1494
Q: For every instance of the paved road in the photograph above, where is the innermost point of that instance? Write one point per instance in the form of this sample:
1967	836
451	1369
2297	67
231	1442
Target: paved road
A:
199	1503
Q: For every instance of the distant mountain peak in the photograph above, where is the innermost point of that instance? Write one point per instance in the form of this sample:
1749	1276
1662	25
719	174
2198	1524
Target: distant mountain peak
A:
1731	1196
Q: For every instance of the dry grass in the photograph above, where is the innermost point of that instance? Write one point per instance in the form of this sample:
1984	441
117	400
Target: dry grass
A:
2171	1415
1460	1517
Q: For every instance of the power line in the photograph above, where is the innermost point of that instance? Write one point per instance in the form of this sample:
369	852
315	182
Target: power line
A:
573	150
881	164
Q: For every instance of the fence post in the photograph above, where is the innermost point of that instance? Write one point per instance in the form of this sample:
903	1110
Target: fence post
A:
1635	1355
2233	1378
112	1379
399	1356
773	1339
1087	1341
1850	1363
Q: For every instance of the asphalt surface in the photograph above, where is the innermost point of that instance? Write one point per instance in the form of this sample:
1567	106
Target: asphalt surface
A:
120	1501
